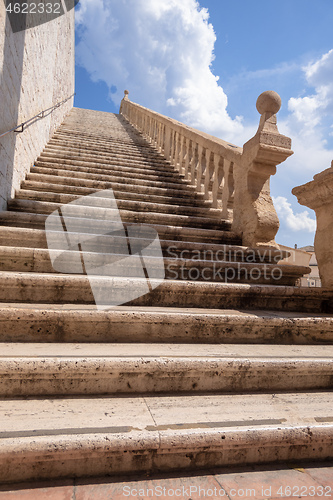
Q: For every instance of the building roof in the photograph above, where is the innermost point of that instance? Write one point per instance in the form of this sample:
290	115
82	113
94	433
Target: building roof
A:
308	248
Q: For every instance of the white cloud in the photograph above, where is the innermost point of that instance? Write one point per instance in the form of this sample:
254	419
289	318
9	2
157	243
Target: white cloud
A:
311	109
300	221
309	124
161	50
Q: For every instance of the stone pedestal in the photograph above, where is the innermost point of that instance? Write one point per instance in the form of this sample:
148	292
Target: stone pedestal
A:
255	218
318	195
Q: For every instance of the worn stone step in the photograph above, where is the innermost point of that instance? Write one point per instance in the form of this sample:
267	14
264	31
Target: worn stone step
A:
132	205
119	128
76	289
100	214
65	179
132	151
36	238
122	162
108	176
107	436
151	160
122	132
226	341
83	323
121	194
130	138
115	171
38	260
106	172
176	233
32	369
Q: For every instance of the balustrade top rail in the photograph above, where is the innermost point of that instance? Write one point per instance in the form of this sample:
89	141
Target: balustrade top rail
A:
214	143
235	179
40	115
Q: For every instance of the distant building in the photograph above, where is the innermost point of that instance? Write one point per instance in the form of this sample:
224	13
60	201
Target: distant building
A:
312	279
304	256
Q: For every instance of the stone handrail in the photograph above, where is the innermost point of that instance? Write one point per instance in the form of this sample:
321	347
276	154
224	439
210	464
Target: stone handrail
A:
234	179
318	195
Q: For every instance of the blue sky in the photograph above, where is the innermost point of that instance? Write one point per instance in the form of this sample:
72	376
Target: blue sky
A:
168	54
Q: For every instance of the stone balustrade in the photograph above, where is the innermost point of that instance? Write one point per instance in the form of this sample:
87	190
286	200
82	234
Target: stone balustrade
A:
318	195
234	179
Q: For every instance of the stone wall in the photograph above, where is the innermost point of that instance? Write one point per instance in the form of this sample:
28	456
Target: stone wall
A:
37	71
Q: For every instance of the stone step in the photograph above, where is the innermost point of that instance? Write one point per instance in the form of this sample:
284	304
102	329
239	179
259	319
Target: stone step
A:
70	323
97	174
76	289
32	369
176	233
132	205
110	436
117	168
132	151
122	133
102	214
119	128
126	141
65	178
22	259
151	160
36	238
126	163
121	194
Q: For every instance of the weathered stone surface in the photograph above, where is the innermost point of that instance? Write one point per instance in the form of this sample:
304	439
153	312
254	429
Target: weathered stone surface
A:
185	340
38	61
236	180
56	369
82	323
110	436
255	217
318	195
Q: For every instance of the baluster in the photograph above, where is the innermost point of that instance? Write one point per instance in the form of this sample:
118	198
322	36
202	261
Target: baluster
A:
159	137
155	133
147	128
167	143
187	157
231	182
201	165
194	161
151	131
176	150
181	154
208	172
225	188
218	175
143	122
173	148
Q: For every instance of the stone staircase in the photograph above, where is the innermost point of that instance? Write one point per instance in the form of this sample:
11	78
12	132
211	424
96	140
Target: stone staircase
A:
224	362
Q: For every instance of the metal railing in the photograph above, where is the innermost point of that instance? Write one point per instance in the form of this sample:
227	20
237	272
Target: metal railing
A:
40	115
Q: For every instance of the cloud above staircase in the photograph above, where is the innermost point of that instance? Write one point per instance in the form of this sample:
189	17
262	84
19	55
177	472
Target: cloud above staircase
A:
163	52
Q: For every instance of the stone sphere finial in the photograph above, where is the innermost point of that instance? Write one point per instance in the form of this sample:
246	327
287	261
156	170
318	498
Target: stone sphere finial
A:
126	92
268	102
